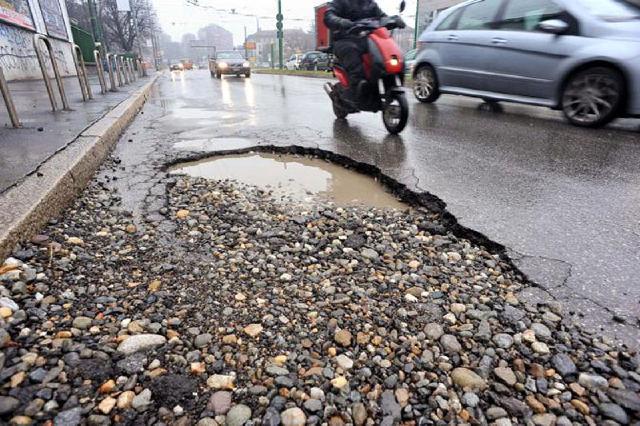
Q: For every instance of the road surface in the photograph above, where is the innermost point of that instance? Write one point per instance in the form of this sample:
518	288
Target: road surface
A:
564	201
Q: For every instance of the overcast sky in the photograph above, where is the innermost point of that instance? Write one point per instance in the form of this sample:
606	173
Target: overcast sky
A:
178	17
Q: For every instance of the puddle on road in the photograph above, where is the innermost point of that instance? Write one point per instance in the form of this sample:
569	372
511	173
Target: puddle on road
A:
301	179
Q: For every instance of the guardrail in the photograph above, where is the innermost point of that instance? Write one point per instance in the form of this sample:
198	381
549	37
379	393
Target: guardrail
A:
39	39
8	101
100	69
81	70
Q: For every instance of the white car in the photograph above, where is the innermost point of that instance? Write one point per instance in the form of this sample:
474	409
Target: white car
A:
294	62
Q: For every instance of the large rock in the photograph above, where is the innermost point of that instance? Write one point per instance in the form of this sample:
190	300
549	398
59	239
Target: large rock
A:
238	415
141	342
220	402
564	365
467	379
293	417
71	417
8	404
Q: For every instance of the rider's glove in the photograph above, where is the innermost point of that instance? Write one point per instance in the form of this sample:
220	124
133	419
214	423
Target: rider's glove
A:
400	23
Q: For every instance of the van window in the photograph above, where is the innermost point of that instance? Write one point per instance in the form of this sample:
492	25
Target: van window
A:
449	22
521	15
480	15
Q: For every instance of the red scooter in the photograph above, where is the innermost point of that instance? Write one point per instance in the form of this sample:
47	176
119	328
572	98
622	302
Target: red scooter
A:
384	70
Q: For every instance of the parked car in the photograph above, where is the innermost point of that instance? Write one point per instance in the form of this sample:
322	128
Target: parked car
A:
294	62
579	56
315	61
229	63
410	60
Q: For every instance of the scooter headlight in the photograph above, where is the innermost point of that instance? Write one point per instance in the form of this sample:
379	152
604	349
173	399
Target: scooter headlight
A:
394	61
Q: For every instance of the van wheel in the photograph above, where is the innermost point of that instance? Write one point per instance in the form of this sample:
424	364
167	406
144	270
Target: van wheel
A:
426	88
593	97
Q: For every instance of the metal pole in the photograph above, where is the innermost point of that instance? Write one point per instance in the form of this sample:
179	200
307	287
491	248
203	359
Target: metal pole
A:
246	54
99	66
280	36
415	30
8	101
95	26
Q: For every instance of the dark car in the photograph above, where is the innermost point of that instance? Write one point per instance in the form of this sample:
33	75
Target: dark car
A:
315	61
229	63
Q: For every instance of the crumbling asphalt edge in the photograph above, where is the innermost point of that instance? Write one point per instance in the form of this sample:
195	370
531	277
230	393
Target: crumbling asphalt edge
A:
28	206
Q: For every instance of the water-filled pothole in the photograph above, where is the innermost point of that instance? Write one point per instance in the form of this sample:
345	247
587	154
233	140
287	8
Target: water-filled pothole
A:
213	144
300	179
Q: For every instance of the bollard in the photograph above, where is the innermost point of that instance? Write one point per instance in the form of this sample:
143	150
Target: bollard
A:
8	101
56	72
81	70
112	79
103	81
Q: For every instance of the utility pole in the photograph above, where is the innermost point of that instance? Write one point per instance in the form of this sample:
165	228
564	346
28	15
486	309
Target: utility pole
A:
95	26
280	28
415	31
246	53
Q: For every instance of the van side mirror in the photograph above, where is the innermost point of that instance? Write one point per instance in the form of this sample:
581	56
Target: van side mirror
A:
554	26
403	6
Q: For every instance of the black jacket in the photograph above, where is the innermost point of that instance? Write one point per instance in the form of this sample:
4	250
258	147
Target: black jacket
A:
341	14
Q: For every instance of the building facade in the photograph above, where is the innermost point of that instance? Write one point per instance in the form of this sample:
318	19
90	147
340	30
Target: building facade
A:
20	20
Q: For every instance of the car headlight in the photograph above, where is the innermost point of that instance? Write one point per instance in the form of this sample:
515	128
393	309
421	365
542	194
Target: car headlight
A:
246	65
180	66
223	65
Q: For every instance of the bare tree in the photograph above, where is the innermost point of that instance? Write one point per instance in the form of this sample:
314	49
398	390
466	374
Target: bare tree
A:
122	30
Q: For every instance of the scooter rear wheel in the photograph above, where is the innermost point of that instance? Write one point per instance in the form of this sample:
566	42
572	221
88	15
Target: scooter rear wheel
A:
396	113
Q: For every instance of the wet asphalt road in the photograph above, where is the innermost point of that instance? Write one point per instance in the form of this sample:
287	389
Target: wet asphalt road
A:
565	201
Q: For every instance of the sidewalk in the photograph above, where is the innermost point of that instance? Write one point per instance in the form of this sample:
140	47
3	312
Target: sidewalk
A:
47	162
44	132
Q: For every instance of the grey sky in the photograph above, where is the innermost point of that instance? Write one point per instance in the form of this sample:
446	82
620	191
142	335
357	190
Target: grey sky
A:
178	17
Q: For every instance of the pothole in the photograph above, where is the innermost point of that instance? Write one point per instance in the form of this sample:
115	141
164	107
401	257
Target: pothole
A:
298	179
212	144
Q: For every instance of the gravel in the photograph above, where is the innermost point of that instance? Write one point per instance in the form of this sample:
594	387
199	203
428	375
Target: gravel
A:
230	307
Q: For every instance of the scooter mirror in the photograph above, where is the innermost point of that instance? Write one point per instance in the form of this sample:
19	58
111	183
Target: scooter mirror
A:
403	6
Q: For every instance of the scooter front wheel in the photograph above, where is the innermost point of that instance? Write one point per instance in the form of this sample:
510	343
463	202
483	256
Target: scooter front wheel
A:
396	113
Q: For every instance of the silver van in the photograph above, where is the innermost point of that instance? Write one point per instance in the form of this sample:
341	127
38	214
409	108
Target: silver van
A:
580	56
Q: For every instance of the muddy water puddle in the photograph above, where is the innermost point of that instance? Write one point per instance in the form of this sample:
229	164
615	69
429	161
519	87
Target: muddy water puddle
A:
301	179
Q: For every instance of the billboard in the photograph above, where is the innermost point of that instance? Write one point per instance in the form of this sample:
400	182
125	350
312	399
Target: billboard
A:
17	12
53	19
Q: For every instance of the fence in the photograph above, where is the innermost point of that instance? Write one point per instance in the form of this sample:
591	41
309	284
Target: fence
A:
86	43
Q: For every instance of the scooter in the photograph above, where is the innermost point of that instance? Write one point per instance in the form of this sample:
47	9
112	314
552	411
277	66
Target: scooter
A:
384	70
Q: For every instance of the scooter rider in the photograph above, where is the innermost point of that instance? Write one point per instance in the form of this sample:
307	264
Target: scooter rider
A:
340	17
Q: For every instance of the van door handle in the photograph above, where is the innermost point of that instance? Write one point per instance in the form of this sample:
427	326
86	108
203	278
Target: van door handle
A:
499	40
453	37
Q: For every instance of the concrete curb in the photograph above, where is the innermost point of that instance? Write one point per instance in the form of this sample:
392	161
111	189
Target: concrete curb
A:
26	208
